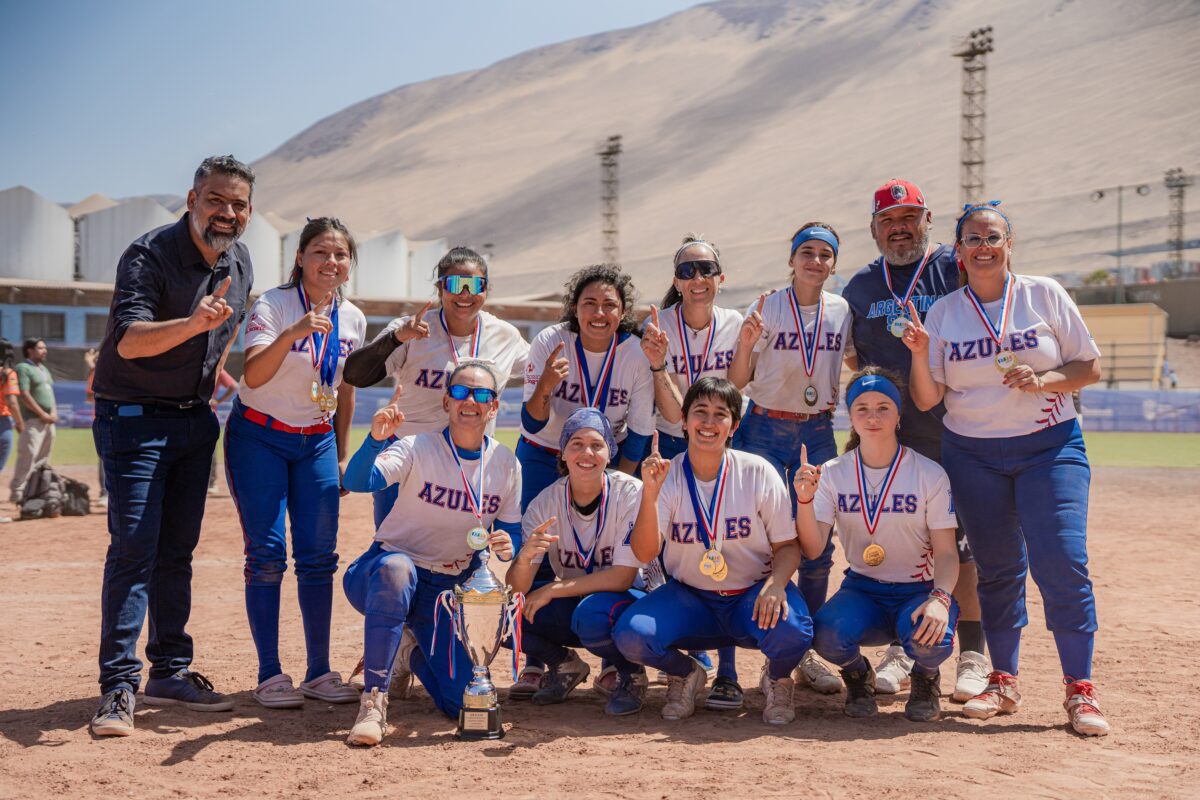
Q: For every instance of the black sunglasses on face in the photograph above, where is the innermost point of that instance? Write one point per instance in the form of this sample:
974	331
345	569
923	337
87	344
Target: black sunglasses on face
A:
690	269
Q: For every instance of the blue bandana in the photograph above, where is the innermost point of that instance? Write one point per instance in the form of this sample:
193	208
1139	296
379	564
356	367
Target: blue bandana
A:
820	234
588	419
873	383
969	209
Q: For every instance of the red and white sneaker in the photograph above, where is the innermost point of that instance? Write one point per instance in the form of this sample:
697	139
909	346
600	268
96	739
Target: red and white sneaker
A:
1000	697
1083	709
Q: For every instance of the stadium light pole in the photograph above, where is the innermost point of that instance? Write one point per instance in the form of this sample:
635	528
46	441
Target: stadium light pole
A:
1098	195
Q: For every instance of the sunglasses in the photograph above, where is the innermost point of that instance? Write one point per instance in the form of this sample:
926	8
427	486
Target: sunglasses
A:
480	394
690	269
454	284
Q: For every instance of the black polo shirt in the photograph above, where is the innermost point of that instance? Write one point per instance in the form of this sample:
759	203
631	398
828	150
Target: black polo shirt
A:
161	277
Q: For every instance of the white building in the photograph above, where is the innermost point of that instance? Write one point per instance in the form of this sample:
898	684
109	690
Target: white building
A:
382	270
104	235
37	237
265	244
422	260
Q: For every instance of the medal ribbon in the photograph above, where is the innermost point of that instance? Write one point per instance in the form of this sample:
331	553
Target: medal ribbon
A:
601	514
809	353
996	331
706	518
595	395
912	285
871	514
476	498
476	338
320	346
692	377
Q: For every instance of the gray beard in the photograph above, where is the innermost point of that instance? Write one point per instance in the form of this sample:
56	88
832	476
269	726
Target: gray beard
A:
219	242
908	255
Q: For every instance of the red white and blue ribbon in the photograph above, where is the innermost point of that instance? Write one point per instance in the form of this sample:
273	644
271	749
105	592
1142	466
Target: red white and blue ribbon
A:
595	395
912	285
585	558
694	375
475	497
476	338
995	330
322	347
809	353
514	619
707	517
872	512
445	600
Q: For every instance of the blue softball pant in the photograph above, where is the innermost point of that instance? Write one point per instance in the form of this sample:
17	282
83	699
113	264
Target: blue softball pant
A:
678	616
1023	503
778	441
579	622
868	612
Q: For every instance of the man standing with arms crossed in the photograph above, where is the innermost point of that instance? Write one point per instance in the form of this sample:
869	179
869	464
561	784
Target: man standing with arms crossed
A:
40	412
911	268
181	292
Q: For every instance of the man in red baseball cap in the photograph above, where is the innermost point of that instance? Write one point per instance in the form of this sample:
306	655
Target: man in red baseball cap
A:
913	270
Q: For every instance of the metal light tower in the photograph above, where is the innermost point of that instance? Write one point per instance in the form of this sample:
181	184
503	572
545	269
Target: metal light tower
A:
973	50
609	231
1098	195
1176	181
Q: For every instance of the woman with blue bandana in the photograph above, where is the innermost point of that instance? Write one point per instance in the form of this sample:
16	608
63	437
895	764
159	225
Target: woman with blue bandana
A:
790	352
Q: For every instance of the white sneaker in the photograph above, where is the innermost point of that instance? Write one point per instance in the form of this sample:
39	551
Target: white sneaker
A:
402	676
682	693
816	675
371	725
892	674
973	669
779	709
1083	710
330	688
278	692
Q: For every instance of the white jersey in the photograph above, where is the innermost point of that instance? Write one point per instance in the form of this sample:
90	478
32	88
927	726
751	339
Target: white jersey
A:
286	397
1045	330
724	330
779	380
629	401
916	501
567	556
423	365
756	512
432	514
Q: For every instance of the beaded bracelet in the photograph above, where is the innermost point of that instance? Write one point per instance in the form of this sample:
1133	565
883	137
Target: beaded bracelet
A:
942	596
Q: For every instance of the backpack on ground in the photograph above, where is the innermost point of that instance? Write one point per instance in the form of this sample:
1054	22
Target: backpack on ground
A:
43	496
76	500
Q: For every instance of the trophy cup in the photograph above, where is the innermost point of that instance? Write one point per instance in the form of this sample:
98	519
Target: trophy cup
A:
485	612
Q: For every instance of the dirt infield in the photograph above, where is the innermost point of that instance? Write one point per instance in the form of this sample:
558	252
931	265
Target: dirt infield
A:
1141	522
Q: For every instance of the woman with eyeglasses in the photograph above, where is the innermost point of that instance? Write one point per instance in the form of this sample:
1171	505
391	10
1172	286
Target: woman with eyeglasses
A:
458	493
1005	352
284	450
790	352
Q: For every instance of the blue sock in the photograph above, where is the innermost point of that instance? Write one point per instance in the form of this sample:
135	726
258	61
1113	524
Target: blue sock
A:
1005	647
727	663
262	609
316	607
381	640
1075	653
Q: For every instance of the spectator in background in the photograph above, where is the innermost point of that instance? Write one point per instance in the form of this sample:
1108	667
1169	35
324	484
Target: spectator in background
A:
10	407
37	397
225	390
89	361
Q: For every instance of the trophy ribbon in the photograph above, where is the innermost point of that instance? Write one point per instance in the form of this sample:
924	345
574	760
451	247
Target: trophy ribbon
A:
902	302
694	375
595	395
323	349
476	338
871	512
707	516
474	497
809	353
586	554
996	329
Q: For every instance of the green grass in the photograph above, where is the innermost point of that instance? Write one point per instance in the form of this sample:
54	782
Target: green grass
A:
74	446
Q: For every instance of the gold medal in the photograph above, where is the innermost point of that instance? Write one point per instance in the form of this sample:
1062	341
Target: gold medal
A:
477	538
873	555
314	392
711	563
721	574
1005	361
899	326
810	395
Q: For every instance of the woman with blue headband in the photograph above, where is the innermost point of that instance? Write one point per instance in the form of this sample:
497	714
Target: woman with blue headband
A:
895	519
791	346
1005	352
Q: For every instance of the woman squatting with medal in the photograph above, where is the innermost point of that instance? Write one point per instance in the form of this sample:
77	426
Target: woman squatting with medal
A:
284	451
895	519
1005	352
722	520
459	493
790	352
580	524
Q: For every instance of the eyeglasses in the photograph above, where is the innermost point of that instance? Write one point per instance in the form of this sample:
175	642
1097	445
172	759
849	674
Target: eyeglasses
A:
454	284
689	269
973	240
480	394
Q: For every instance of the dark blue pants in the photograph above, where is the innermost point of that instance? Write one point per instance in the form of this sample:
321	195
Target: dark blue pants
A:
579	622
156	462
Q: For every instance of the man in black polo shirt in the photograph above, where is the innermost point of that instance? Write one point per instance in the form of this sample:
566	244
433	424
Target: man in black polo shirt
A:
180	295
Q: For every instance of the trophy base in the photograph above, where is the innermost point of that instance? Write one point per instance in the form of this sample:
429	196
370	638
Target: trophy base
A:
477	724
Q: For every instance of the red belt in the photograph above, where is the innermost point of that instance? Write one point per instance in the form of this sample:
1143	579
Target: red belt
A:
789	415
259	418
532	443
730	592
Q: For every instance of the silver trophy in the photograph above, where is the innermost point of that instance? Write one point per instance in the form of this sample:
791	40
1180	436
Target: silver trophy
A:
485	612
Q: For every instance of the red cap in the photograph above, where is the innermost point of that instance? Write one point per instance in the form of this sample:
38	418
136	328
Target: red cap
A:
897	193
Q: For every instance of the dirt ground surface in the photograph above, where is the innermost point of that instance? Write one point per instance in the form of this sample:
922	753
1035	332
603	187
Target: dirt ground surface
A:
1145	669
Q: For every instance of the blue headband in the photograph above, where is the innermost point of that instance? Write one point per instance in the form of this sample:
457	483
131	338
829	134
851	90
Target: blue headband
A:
873	383
969	209
816	232
588	418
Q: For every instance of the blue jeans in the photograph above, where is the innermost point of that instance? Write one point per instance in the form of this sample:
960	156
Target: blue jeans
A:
6	440
778	441
156	461
579	622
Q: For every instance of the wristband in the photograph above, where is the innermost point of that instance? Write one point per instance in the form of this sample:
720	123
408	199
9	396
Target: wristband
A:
804	502
942	596
660	369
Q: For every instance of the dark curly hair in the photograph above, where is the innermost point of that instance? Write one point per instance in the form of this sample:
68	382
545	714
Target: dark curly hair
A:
610	276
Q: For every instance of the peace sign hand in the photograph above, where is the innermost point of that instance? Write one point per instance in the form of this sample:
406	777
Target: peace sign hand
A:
808	477
654	341
654	469
414	327
916	337
386	420
752	325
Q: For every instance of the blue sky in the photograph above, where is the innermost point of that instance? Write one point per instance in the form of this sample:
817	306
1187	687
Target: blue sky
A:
124	97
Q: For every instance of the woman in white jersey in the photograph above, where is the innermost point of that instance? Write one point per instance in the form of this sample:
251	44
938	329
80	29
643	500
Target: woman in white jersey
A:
895	519
1005	352
790	352
284	450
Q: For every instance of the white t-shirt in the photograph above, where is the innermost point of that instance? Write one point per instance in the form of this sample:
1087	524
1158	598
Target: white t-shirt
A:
1045	331
630	398
423	365
286	397
720	352
779	378
613	549
432	514
756	512
917	501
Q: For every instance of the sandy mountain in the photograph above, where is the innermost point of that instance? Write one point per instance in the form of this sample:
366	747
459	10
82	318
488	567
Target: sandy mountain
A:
744	118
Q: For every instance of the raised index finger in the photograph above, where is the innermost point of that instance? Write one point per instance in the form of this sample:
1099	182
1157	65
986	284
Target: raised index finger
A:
654	444
399	390
912	310
223	287
654	315
762	298
557	349
424	310
803	454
